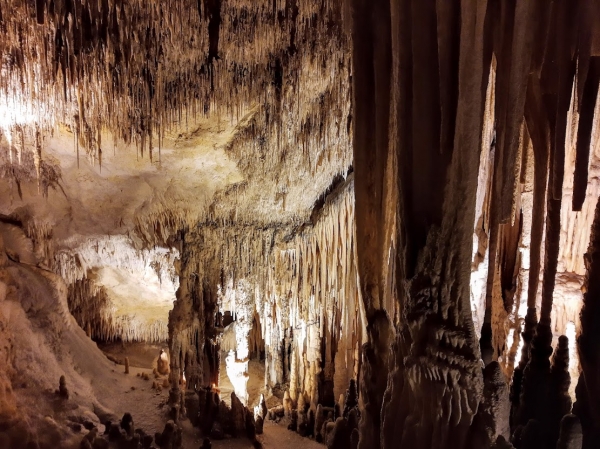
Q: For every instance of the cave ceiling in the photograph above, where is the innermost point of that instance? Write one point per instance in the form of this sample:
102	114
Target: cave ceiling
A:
133	120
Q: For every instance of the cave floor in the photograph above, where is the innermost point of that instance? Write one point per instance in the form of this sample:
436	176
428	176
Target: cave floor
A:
133	394
276	436
149	412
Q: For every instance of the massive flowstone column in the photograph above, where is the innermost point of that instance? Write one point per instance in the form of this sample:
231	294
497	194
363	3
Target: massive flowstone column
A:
191	322
417	159
376	184
419	96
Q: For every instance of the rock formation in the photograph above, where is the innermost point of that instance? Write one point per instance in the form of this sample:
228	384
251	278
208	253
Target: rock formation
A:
162	363
391	208
63	391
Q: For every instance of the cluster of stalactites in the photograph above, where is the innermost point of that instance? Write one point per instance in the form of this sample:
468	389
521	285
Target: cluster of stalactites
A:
118	252
537	191
306	295
93	310
311	138
547	215
137	68
91	304
302	284
311	302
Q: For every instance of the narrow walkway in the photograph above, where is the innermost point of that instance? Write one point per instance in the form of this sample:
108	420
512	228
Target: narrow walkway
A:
275	437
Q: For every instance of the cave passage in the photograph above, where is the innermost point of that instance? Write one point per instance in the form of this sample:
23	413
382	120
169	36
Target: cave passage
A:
353	224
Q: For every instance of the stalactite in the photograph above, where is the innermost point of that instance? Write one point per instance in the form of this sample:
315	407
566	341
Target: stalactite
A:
296	291
92	308
512	354
539	131
584	134
514	52
101	69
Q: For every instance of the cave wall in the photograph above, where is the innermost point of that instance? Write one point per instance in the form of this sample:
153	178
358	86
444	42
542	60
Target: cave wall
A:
40	341
479	94
147	119
301	282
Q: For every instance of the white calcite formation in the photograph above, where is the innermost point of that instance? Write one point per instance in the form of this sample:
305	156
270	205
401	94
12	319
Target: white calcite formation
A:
269	273
112	168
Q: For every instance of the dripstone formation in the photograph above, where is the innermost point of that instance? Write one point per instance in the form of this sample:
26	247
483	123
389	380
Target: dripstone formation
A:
373	223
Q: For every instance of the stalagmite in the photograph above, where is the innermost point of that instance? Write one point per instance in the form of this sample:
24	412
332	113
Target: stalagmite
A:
570	433
494	412
560	380
63	391
287	404
162	363
339	437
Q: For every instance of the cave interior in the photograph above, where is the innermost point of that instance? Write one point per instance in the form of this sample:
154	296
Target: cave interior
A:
352	224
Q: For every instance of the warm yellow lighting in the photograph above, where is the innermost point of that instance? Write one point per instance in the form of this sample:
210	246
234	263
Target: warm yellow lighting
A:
14	111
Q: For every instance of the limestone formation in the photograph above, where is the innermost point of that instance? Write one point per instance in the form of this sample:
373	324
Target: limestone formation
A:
351	399
238	413
383	215
276	413
147	441
115	433
263	410
287	404
293	425
339	437
250	424
570	433
319	420
259	426
127	424
162	363
63	391
494	411
354	438
170	438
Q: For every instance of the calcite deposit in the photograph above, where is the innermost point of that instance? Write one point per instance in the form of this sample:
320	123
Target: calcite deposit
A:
373	223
